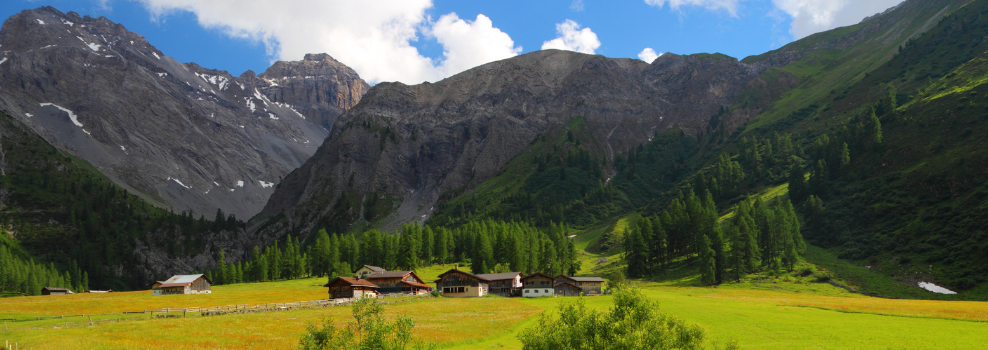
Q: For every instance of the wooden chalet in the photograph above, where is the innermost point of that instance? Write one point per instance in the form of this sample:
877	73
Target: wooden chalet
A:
346	288
587	285
367	270
183	284
393	282
538	285
504	284
55	291
461	284
568	288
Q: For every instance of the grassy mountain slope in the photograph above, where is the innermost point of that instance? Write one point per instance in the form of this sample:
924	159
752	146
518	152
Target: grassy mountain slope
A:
911	207
58	209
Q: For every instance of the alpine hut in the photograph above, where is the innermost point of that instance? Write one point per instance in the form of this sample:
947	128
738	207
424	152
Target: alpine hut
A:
183	284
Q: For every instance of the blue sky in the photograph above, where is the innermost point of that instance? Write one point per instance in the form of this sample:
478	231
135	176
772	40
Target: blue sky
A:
416	40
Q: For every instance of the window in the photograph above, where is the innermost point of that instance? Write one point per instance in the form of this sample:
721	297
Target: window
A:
526	292
547	291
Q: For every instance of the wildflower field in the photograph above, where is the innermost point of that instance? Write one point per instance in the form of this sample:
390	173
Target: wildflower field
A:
763	314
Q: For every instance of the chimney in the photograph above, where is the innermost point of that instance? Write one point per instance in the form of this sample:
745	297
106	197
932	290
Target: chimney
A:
456	267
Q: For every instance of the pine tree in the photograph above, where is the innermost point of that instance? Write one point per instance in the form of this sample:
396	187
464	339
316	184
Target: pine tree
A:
797	183
223	269
707	262
428	241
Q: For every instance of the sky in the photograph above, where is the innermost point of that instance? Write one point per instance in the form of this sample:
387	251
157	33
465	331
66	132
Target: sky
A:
413	41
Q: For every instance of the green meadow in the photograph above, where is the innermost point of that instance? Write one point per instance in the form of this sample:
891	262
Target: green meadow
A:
760	313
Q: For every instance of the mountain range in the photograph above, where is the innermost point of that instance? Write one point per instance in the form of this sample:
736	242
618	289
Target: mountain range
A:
550	136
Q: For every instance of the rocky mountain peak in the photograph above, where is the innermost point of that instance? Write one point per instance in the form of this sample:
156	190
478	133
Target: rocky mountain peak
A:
180	135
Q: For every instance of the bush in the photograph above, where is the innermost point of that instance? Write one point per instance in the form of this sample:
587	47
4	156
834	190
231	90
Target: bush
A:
806	271
633	323
369	330
822	277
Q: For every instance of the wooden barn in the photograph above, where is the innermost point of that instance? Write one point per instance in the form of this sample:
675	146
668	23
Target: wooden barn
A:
183	284
460	284
55	291
346	288
588	285
393	282
568	288
538	285
504	284
367	270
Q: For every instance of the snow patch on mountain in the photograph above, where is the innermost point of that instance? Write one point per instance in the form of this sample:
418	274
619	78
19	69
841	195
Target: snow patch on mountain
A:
266	184
72	116
179	183
935	288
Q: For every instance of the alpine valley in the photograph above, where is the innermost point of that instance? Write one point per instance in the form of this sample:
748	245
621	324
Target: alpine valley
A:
858	155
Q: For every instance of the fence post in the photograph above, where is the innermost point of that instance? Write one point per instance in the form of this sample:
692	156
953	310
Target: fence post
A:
90	320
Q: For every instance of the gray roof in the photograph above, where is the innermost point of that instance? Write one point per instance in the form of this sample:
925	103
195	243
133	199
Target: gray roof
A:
499	276
182	279
587	279
388	274
373	268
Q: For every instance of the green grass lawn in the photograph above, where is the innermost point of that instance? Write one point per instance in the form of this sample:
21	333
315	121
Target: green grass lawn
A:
760	313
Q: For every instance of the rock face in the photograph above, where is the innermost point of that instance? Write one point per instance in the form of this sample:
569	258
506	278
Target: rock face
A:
411	144
179	135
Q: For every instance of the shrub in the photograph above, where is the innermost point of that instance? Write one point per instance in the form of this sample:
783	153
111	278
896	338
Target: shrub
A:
369	330
822	277
806	271
633	323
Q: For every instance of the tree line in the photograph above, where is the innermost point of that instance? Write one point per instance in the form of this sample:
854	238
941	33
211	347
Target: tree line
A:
759	237
25	277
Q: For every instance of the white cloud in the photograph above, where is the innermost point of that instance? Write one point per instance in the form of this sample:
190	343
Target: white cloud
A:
648	55
572	38
731	6
372	37
814	16
469	44
577	5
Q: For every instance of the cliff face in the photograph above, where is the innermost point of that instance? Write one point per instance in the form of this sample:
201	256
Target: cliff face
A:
407	145
179	135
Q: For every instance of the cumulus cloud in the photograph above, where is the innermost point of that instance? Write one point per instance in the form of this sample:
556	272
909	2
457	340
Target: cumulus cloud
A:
373	37
572	38
814	16
469	44
648	55
731	6
577	5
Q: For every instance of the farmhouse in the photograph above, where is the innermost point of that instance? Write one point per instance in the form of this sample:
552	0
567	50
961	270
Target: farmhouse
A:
504	284
568	289
346	287
537	285
587	285
367	270
460	284
55	291
183	284
391	282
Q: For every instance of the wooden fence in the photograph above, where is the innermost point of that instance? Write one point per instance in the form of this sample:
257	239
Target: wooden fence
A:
87	320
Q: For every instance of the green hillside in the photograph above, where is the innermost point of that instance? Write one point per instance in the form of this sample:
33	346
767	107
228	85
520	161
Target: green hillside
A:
62	213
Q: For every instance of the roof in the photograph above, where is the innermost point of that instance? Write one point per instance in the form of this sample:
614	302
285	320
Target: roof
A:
389	274
536	275
183	280
56	289
567	282
499	276
478	277
172	285
373	268
352	282
587	279
416	284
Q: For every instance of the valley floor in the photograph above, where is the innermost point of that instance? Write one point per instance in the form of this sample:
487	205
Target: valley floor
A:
766	314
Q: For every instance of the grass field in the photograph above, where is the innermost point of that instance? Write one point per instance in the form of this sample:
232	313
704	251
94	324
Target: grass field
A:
758	313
